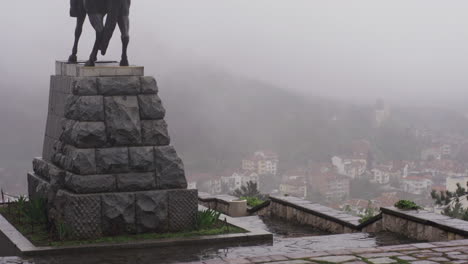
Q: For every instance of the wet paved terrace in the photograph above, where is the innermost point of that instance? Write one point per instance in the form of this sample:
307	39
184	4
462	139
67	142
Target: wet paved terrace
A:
289	240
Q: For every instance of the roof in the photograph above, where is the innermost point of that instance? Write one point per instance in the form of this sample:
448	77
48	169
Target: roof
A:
418	178
299	182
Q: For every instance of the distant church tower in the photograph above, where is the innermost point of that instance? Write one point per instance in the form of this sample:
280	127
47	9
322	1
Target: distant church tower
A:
381	113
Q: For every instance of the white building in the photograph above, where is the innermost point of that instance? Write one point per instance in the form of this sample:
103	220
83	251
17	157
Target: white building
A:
381	174
262	162
239	179
417	184
349	166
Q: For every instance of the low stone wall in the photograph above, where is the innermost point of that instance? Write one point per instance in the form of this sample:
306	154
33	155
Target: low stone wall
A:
423	225
305	212
226	204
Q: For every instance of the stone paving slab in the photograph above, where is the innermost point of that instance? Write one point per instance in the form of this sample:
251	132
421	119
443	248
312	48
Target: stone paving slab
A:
429	253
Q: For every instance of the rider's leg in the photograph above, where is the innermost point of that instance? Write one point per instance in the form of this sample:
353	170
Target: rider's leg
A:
124	25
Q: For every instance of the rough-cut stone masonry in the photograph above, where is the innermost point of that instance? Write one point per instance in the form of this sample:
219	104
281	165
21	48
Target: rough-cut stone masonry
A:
107	165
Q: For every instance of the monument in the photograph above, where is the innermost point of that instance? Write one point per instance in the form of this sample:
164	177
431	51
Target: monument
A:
107	166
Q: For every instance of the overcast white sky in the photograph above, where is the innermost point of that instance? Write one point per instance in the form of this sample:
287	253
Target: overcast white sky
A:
396	49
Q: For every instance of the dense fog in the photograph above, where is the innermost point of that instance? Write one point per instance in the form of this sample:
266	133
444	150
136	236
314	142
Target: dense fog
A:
303	79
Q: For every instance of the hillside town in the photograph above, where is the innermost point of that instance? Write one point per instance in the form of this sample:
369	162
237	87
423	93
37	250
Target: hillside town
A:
353	181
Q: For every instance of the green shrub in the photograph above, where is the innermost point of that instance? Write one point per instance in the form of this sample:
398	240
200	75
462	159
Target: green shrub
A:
36	210
407	205
207	219
252	201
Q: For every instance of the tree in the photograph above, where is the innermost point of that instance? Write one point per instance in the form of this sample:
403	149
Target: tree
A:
451	202
248	190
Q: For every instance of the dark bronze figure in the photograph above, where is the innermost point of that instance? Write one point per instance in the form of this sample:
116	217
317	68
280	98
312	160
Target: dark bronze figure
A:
116	13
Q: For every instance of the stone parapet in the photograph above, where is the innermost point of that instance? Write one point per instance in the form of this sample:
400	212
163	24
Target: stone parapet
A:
305	212
423	225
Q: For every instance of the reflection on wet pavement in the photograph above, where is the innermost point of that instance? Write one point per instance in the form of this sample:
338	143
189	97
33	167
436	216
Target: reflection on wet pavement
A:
288	238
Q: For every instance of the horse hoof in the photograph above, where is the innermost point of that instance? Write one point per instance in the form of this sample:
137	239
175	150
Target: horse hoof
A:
72	59
90	63
124	62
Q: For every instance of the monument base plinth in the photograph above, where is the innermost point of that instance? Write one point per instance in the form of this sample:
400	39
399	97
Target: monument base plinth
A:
107	166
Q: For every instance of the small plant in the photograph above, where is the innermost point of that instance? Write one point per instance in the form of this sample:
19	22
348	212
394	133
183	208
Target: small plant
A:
407	205
63	231
36	211
252	201
207	219
368	214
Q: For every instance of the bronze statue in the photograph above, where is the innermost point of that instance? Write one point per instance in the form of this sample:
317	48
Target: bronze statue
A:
116	13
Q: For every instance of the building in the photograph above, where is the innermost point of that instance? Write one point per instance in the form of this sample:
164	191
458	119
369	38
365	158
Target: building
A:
239	179
452	181
262	163
294	187
417	184
328	183
205	182
381	174
353	166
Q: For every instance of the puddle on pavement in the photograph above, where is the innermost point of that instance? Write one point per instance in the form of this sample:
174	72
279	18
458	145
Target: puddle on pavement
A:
288	238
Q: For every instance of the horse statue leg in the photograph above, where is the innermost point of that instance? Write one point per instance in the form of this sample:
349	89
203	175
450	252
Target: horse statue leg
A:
97	21
79	28
124	25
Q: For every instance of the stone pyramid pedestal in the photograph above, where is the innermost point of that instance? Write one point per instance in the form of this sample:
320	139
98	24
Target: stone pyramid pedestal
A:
108	167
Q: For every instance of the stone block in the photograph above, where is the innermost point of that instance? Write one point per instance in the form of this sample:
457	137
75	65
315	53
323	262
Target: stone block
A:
170	172
122	120
124	85
85	134
85	108
141	158
151	107
80	213
136	182
41	168
37	187
84	86
112	160
85	184
78	161
61	84
118	213
152	211
183	208
148	85
154	132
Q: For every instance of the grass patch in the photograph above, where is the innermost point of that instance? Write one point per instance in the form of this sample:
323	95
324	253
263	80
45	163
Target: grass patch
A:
39	235
366	260
407	205
323	262
252	201
400	261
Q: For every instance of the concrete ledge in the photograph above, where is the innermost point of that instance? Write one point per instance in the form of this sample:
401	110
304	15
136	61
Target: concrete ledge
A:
253	236
101	69
225	204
